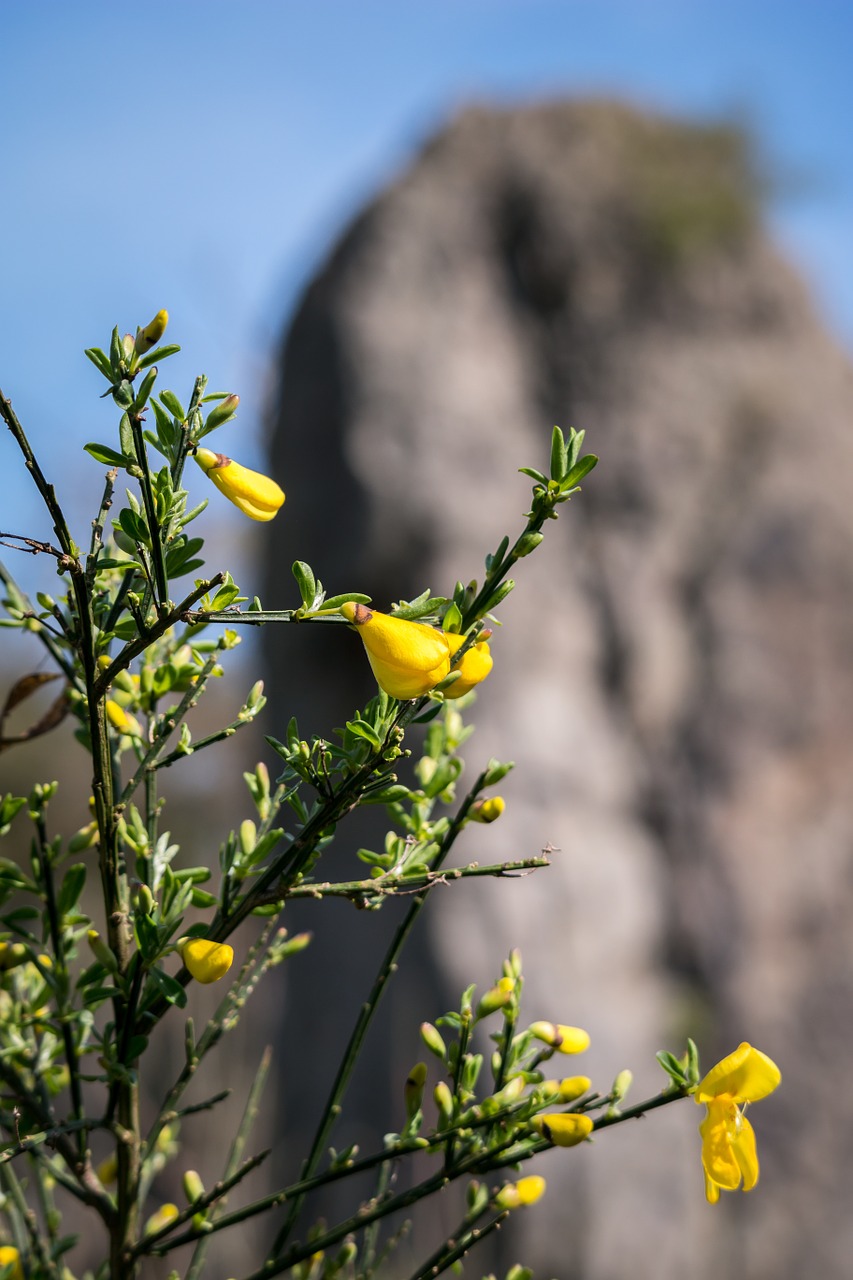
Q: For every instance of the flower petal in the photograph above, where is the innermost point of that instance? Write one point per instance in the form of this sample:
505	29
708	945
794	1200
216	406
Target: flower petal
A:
718	1157
747	1075
407	658
745	1152
474	667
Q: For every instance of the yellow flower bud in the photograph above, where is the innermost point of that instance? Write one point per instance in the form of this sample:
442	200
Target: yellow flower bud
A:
12	954
10	1257
432	1038
101	951
121	721
574	1087
564	1129
414	1088
443	1099
164	1215
496	998
107	1170
474	667
207	961
487	810
560	1037
257	496
193	1186
408	658
152	333
517	1194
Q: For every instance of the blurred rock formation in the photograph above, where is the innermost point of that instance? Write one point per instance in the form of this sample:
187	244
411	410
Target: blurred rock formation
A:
673	677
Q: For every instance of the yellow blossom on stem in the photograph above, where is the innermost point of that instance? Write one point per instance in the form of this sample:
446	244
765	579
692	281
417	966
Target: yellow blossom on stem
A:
10	1257
563	1128
407	658
256	495
729	1155
164	1215
487	810
475	665
574	1087
207	961
562	1038
526	1191
152	333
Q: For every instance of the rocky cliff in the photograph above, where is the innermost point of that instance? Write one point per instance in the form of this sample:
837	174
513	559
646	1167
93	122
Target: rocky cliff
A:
674	676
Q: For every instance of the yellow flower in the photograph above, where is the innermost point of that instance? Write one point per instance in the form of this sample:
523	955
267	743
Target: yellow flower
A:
10	1257
487	810
207	961
152	333
408	658
474	667
120	720
563	1039
574	1087
517	1194
563	1128
164	1215
729	1155
255	495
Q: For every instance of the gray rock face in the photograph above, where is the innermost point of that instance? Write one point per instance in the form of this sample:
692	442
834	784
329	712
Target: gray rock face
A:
673	677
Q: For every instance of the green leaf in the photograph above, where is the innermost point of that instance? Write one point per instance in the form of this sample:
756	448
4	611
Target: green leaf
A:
72	887
580	470
534	474
559	454
170	988
161	353
452	620
134	526
361	729
100	360
201	898
335	602
306	581
144	391
116	355
173	404
499	554
110	457
125	436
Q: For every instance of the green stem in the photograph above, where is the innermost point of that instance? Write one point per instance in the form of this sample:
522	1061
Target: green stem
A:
41	851
97	541
234	1157
457	1245
150	504
365	1017
133	648
12	1187
396	886
164	730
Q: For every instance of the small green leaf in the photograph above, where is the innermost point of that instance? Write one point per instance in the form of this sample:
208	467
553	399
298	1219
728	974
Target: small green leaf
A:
100	360
306	581
335	602
72	887
170	988
580	470
559	454
162	353
173	404
110	457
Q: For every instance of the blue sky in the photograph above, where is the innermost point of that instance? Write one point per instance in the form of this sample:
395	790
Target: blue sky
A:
202	155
